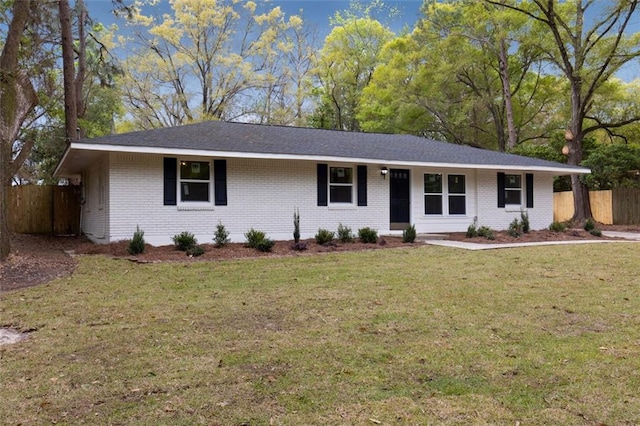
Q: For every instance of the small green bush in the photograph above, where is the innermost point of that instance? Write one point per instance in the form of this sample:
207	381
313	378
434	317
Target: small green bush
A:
265	245
136	245
589	225
409	234
185	241
296	226
524	221
368	235
324	236
345	235
515	228
195	251
596	232
558	227
486	232
254	238
472	230
221	236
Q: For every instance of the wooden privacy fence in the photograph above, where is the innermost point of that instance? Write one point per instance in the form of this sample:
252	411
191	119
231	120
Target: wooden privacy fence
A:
44	209
620	206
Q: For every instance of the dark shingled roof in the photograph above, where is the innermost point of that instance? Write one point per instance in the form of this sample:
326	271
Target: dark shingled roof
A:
219	136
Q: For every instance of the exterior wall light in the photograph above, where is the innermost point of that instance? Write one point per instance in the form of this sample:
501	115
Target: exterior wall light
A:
384	171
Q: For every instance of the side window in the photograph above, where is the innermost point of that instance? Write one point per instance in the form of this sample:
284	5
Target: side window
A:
513	189
195	181
341	185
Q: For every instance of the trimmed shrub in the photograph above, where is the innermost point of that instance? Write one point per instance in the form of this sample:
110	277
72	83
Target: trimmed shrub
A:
557	227
596	232
185	241
345	235
136	245
368	235
409	234
221	236
254	237
265	245
324	236
486	232
515	228
589	225
195	251
296	226
472	230
258	240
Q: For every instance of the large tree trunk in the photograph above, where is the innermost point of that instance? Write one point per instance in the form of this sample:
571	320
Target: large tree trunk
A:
12	111
506	90
581	199
82	64
68	71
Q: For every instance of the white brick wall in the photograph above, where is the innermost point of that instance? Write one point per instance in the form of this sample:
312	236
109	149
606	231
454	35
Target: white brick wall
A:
263	194
540	216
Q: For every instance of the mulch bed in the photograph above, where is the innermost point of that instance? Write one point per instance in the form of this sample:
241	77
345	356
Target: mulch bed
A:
38	259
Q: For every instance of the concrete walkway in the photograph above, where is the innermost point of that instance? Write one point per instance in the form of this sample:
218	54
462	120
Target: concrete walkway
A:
628	237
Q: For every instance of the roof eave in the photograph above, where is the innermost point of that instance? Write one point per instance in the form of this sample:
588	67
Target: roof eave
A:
275	156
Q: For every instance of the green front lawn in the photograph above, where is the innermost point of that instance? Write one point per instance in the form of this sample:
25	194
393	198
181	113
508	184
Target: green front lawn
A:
428	335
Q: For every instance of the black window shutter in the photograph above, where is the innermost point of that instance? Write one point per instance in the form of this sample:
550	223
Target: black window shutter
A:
220	182
170	181
362	185
529	179
501	194
322	184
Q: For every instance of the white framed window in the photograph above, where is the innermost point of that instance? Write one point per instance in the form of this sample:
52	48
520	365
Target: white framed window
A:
194	181
433	194
437	189
513	189
457	188
341	185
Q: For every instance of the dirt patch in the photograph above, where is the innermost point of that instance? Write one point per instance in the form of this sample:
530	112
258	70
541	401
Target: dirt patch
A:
38	259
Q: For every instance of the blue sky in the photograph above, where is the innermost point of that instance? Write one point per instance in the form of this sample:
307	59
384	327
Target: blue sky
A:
316	12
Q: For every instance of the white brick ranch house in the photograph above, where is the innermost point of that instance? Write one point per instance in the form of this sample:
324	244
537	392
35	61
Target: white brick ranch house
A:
191	177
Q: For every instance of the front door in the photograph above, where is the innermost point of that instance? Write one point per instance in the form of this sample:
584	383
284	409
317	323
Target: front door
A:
399	188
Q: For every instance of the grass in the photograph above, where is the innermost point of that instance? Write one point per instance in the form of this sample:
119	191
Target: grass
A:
429	335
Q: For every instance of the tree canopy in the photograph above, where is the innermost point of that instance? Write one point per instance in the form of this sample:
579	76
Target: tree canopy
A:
212	59
501	74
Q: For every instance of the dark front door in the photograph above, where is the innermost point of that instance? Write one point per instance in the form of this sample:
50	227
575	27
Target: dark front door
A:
399	191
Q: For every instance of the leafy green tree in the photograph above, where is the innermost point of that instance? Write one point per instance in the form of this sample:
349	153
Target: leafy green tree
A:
17	100
345	65
459	77
613	166
98	102
586	42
